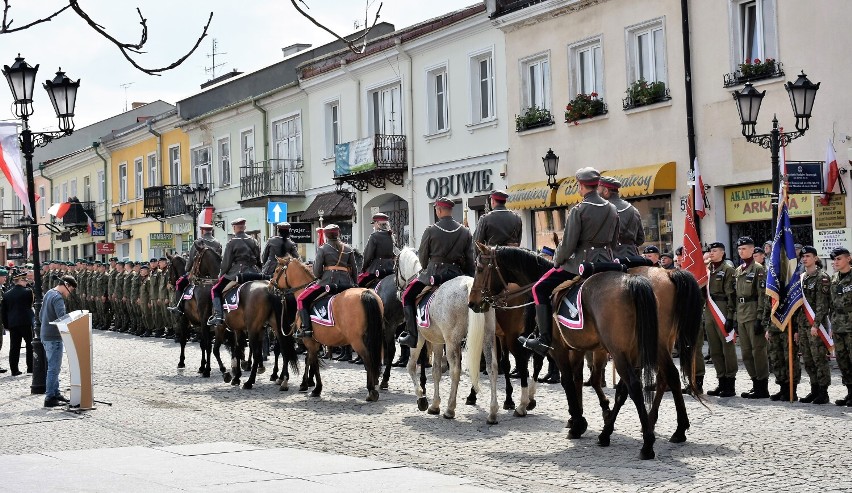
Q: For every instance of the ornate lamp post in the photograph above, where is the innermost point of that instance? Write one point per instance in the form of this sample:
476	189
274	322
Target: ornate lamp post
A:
551	168
802	94
63	95
195	199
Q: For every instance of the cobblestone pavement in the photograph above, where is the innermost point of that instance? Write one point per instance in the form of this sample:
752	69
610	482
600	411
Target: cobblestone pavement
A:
732	445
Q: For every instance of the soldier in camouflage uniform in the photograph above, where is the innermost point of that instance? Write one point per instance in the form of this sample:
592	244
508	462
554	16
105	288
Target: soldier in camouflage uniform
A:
145	306
111	287
816	286
841	318
779	357
722	289
164	290
751	298
136	307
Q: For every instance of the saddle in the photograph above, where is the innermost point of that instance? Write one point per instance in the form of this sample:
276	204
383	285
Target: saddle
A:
567	298
231	296
422	304
321	310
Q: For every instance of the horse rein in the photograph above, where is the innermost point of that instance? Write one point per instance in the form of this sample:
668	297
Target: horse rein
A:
282	270
500	300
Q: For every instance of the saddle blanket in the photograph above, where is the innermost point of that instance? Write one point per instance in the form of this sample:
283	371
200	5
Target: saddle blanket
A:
423	309
188	292
321	312
570	313
231	299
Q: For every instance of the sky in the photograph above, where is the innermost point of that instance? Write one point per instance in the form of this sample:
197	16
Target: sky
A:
249	35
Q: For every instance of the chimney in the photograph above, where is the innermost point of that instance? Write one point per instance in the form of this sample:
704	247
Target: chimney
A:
294	48
137	105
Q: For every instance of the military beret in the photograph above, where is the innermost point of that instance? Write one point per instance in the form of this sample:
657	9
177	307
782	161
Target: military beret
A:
145	266
113	259
745	240
717	244
499	195
667	254
588	176
119	262
238	221
759	250
808	249
444	202
610	182
283	225
838	252
380	217
798	245
205	226
4	272
331	227
153	260
546	250
164	259
651	249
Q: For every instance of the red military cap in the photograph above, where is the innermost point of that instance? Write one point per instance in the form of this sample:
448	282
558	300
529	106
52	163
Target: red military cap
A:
499	196
444	202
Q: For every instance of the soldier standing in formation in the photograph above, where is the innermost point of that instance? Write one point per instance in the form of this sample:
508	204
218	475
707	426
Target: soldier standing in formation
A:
841	318
144	301
500	227
112	286
631	234
447	252
816	287
163	290
278	246
591	235
127	284
751	297
779	357
242	254
205	241
380	251
722	292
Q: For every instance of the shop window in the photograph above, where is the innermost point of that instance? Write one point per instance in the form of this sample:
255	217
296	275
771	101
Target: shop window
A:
656	216
545	224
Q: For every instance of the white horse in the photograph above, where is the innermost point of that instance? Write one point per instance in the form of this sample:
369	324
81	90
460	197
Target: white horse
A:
450	322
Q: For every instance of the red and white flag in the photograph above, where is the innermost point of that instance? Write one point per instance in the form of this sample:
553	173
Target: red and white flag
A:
59	209
90	224
830	174
719	318
693	257
205	217
698	193
10	163
824	329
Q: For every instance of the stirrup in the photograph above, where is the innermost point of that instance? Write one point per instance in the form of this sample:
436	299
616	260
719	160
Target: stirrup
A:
303	333
176	310
215	320
534	345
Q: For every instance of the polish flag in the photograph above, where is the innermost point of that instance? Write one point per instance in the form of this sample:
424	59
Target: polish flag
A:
831	174
89	223
699	193
59	209
205	217
10	163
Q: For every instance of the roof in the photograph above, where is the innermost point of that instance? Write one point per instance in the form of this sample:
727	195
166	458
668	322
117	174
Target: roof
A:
333	206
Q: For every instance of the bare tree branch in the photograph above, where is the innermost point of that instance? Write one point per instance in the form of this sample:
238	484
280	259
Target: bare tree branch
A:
350	43
126	49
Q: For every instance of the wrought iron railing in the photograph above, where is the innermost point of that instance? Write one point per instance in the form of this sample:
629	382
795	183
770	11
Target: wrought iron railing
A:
79	213
389	151
776	69
504	7
164	201
11	219
273	177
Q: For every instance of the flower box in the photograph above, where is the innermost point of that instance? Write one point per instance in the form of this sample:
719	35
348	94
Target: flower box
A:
584	106
533	117
753	70
643	93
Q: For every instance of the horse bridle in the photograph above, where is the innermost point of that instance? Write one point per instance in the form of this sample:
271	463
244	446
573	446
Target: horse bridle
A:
400	282
282	270
500	299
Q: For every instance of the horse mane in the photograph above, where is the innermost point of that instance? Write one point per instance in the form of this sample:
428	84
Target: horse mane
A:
523	262
308	271
409	262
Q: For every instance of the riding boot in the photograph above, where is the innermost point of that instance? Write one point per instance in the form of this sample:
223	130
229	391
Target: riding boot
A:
544	320
846	400
409	335
178	308
217	318
822	395
811	395
404	354
305	329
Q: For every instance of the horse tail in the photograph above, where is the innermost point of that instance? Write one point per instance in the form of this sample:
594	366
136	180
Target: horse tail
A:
288	349
475	341
690	304
374	333
647	333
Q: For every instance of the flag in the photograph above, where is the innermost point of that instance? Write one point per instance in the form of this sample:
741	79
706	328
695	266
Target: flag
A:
693	257
320	237
830	174
10	163
699	192
59	209
783	283
719	318
204	217
89	223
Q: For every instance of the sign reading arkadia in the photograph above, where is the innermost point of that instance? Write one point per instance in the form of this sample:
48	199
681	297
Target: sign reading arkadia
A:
751	203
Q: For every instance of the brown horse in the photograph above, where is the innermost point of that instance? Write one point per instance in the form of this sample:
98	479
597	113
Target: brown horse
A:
360	308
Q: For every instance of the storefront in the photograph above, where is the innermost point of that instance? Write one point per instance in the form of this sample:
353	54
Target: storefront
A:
748	212
648	188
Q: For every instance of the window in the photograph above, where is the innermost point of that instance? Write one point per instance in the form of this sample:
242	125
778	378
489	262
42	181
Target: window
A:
224	147
247	148
647	52
73	187
535	79
87	189
122	182
754	27
138	176
65	192
3	198
482	87
586	66
174	165
332	127
101	187
42	208
287	142
437	110
153	173
16	203
386	111
201	165
56	195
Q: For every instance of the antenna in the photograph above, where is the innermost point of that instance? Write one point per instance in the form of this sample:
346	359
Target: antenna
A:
212	55
125	86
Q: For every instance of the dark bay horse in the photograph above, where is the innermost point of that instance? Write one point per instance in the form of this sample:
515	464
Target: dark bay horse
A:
358	322
618	311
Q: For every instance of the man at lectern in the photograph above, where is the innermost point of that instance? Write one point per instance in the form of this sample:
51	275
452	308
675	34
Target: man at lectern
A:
53	308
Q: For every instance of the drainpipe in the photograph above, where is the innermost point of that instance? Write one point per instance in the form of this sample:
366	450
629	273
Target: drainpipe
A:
159	159
41	169
96	146
687	82
408	122
358	128
265	144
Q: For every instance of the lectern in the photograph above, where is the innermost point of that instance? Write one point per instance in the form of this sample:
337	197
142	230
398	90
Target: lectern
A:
76	331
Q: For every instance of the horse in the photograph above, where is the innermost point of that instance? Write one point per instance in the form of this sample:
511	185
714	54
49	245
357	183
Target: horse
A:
618	314
450	322
360	308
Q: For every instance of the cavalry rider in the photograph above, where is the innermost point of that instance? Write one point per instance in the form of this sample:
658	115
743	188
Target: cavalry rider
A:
380	251
630	231
500	227
335	267
206	240
242	255
447	251
278	246
591	235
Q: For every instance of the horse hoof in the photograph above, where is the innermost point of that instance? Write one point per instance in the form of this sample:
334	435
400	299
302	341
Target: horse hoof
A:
200	370
519	414
373	396
470	401
206	374
274	378
235	381
314	393
383	385
226	377
247	386
433	410
491	421
578	427
448	415
509	405
531	405
181	365
422	404
678	437
603	441
647	454
261	370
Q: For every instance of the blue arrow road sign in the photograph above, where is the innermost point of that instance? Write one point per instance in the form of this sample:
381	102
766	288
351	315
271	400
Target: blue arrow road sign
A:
276	212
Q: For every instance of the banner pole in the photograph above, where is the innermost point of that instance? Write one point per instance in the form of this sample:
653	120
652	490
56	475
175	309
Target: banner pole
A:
790	376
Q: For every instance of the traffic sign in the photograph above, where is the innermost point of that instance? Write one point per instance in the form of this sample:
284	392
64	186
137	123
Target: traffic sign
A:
276	212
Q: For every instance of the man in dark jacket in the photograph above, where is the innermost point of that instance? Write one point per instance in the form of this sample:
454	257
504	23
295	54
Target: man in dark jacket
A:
500	227
278	246
18	320
335	268
447	252
630	231
380	252
242	254
3	274
205	241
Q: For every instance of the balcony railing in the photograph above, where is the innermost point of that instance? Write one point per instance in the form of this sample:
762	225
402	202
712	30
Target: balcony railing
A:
10	219
79	214
753	72
276	177
504	7
164	201
389	161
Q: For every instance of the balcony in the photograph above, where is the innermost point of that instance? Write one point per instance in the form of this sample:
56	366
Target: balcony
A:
503	7
275	180
371	161
11	219
164	201
78	215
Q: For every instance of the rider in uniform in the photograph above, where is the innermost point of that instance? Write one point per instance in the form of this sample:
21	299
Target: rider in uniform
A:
500	227
206	240
591	234
630	231
447	252
242	254
334	267
380	251
278	246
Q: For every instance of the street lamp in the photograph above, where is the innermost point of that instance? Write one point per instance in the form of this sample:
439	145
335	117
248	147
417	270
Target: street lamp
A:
117	216
802	94
551	168
195	200
63	95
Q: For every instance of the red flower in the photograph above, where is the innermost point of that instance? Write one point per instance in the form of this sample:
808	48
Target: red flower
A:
757	60
594	94
748	61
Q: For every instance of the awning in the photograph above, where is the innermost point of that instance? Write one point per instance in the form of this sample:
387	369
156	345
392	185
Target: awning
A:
641	181
534	195
332	205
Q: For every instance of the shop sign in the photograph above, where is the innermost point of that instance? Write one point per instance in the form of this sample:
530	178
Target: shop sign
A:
161	240
346	233
104	248
832	215
459	184
301	232
121	234
826	240
751	203
804	177
354	157
98	229
15	253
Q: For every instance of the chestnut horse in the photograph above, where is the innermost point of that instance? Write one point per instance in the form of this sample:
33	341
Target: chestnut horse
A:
358	322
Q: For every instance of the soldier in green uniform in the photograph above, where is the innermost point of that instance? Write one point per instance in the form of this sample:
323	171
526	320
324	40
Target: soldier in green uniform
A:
779	358
111	287
751	297
138	328
816	286
841	318
144	303
120	297
723	353
151	286
164	290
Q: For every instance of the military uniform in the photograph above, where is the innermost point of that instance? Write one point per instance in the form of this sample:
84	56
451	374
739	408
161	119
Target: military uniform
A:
816	287
278	246
111	287
145	304
242	254
841	325
127	308
751	297
631	234
500	227
205	241
380	252
164	295
135	305
721	286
